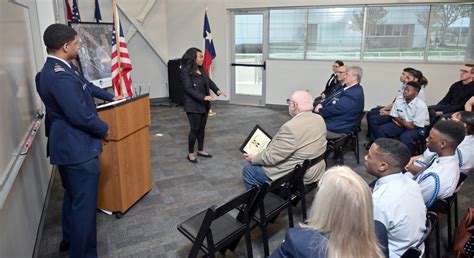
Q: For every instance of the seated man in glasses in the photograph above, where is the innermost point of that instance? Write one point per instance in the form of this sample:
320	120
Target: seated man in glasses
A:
341	109
458	94
302	137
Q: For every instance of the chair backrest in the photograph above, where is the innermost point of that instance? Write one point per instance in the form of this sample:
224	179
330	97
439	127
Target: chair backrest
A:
431	220
298	175
415	252
282	182
358	122
245	199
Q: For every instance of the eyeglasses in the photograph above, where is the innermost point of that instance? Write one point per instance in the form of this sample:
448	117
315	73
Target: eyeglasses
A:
289	101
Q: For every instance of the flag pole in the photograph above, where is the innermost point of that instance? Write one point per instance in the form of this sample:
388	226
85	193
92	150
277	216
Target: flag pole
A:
210	113
117	45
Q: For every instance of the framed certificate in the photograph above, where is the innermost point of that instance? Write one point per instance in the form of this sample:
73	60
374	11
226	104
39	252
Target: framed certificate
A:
256	141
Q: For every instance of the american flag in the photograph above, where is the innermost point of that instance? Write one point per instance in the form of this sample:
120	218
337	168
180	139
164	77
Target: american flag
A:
121	64
76	17
209	51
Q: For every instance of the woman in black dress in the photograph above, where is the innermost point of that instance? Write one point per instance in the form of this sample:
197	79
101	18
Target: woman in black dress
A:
197	99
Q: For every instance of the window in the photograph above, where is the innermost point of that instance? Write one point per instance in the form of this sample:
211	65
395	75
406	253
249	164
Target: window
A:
410	32
451	39
395	33
332	34
287	34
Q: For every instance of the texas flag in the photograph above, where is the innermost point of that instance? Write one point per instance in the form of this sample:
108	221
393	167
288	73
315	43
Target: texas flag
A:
209	51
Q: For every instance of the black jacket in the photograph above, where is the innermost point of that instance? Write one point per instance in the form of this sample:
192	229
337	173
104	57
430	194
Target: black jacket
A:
196	87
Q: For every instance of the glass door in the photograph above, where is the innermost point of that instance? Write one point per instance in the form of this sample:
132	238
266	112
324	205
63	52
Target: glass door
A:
248	58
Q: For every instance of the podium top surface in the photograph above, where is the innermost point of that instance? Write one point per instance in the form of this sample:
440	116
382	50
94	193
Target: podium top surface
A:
120	102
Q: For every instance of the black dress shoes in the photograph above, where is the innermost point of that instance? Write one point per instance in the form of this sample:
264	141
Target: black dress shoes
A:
204	155
192	160
64	246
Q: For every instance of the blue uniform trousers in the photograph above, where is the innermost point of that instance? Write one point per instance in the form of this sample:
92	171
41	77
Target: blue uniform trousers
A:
406	136
80	183
374	121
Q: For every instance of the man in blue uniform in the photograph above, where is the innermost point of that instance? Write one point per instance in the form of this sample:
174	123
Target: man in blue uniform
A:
341	109
74	134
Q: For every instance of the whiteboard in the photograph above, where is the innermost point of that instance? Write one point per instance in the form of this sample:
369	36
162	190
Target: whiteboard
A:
17	96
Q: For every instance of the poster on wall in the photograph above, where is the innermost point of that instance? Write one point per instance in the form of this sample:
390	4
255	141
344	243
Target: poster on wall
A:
95	50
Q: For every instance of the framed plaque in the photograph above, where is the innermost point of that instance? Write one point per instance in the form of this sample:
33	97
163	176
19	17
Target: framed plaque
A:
256	141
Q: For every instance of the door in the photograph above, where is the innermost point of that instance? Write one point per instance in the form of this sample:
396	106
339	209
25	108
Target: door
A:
248	58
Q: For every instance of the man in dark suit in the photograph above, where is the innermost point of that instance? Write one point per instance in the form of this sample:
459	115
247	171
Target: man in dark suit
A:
341	109
74	134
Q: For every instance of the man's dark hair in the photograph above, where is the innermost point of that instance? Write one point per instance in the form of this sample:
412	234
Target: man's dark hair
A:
467	118
339	62
408	69
394	152
453	130
56	35
415	85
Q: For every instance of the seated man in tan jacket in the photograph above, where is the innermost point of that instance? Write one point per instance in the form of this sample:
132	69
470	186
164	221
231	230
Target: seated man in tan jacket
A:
301	138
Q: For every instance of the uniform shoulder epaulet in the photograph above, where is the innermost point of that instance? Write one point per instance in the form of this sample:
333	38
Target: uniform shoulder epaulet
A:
58	68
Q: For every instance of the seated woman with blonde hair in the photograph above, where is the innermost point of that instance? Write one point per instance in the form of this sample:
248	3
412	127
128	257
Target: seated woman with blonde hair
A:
341	222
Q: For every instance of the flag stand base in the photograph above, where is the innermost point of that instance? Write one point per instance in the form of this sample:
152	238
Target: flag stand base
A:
212	113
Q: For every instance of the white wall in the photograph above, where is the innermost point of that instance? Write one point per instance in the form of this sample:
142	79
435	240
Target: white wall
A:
184	28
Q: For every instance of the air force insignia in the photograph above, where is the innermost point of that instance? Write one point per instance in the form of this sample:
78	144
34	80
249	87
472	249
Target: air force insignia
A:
58	68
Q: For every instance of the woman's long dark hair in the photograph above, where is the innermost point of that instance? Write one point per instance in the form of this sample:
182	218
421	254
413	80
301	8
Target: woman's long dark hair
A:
419	75
188	61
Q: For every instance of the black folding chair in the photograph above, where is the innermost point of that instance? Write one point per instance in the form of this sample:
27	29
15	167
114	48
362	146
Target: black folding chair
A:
272	204
299	188
221	230
337	145
414	251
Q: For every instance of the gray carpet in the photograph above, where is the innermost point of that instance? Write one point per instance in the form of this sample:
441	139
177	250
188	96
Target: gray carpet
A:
182	189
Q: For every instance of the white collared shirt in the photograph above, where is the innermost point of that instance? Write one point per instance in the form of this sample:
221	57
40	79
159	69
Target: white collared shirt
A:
464	152
399	205
62	60
416	111
447	168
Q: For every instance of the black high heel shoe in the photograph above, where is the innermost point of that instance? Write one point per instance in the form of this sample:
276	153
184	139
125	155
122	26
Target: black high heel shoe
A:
204	155
192	160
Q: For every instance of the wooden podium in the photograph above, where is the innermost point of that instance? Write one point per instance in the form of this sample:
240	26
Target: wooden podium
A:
125	169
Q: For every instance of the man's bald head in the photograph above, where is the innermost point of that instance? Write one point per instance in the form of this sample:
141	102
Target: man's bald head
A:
300	101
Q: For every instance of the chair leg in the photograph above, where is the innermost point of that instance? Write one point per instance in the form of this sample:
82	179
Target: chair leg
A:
290	216
456	212
438	251
356	148
303	207
427	248
248	242
266	250
449	226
